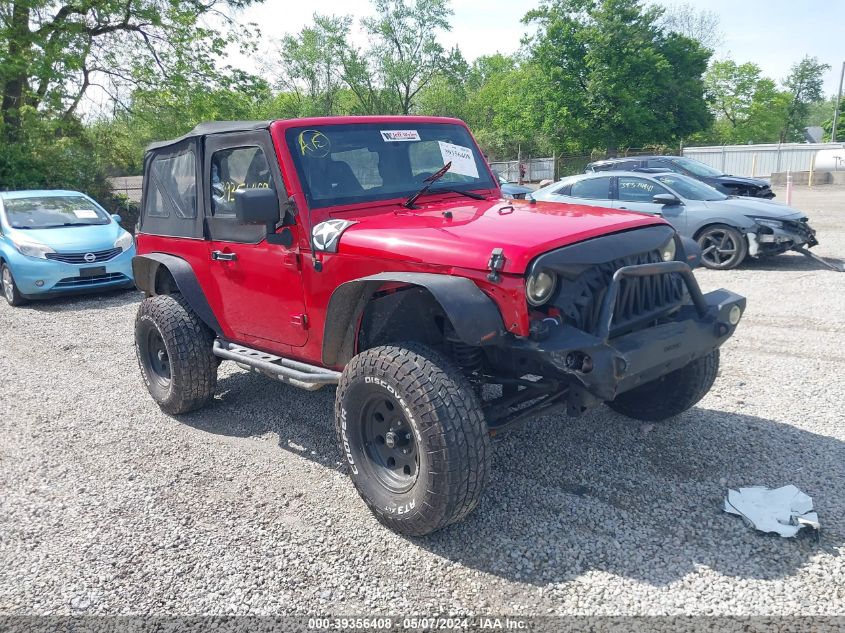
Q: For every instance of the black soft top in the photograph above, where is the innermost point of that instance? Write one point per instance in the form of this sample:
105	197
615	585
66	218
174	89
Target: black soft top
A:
213	127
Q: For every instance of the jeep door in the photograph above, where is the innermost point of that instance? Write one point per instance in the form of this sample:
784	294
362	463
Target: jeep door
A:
637	194
260	285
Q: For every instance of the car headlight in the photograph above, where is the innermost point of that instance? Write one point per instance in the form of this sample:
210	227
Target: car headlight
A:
124	242
30	248
774	224
540	286
667	251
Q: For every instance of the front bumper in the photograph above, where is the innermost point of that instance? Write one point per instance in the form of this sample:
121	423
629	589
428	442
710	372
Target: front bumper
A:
766	240
34	276
608	366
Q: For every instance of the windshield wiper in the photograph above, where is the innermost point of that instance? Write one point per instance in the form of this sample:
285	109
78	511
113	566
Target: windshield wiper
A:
409	203
468	194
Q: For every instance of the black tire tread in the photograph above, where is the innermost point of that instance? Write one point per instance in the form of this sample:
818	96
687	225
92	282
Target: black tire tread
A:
447	410
672	394
189	344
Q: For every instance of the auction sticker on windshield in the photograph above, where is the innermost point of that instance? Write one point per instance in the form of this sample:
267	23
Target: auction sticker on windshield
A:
400	135
462	160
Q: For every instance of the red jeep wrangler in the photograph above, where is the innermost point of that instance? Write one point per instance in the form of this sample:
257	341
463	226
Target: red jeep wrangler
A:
376	254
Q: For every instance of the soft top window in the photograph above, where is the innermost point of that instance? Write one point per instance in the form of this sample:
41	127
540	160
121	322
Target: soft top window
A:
345	164
174	186
46	212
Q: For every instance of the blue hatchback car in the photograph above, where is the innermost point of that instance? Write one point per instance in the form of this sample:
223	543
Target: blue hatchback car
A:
59	242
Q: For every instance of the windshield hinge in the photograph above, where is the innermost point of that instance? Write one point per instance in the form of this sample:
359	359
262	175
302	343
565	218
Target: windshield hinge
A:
496	264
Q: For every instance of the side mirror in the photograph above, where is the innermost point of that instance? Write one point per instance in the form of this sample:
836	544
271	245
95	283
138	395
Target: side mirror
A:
665	199
257	206
690	252
116	218
261	206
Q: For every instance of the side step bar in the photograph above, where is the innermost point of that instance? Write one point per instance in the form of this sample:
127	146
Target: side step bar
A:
298	374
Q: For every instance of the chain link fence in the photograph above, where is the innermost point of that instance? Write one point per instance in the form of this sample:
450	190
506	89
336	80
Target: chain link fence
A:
559	166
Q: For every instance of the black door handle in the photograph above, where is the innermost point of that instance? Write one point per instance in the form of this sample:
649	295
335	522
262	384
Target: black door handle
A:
223	257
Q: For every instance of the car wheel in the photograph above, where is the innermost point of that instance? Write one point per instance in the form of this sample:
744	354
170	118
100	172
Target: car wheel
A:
671	394
414	437
722	247
10	290
174	351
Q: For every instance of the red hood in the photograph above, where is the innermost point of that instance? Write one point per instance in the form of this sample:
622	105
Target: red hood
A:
465	240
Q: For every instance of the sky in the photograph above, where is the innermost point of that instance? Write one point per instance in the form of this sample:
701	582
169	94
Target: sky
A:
774	34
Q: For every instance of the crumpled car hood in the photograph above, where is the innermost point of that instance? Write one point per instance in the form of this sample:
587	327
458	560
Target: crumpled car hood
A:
462	234
756	207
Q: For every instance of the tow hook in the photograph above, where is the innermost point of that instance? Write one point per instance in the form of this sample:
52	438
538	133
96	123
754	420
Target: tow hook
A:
496	264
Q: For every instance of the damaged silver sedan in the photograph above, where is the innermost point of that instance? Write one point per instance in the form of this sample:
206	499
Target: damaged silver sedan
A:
728	228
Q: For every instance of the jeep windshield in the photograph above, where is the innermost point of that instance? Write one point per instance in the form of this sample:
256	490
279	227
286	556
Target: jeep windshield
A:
48	212
365	162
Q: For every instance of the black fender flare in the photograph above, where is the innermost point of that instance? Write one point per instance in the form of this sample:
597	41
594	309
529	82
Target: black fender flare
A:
473	314
145	268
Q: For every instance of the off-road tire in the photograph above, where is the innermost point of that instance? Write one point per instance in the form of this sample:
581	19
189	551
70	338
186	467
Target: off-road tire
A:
9	288
451	440
705	241
671	394
166	323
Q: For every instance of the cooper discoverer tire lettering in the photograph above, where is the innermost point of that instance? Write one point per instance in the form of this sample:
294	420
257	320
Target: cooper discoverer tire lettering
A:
174	351
413	436
671	394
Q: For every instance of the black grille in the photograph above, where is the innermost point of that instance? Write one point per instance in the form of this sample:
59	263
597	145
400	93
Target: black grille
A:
640	299
94	280
79	258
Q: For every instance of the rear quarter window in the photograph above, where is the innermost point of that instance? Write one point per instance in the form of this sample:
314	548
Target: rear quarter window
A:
173	188
591	188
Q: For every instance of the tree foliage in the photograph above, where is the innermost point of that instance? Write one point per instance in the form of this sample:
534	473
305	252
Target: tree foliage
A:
613	77
804	85
53	53
700	25
748	107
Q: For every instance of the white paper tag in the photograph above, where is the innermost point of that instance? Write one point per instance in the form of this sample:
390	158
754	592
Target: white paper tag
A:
462	160
400	135
86	214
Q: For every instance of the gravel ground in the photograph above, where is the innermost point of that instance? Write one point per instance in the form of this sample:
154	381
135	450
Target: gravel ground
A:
109	506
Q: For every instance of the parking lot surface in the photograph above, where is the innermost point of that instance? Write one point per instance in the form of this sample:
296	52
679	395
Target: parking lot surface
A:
107	505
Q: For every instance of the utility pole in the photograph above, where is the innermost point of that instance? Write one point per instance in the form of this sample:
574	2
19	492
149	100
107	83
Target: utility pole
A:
836	111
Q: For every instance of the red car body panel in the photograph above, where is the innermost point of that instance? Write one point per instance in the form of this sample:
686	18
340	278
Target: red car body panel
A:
272	297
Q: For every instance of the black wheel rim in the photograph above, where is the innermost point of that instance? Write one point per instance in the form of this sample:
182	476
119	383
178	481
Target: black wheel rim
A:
157	358
718	247
389	443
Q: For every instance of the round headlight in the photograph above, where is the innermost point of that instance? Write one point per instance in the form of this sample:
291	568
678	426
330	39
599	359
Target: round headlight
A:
539	287
668	250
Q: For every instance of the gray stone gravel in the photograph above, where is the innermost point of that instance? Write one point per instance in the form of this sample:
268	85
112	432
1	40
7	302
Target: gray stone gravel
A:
108	506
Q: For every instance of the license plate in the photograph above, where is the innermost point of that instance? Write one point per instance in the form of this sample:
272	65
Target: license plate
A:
92	272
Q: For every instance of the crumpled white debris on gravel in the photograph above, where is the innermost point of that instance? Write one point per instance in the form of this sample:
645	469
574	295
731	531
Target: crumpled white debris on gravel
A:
785	510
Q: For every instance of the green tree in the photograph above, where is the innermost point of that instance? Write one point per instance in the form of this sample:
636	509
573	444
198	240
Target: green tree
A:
405	53
53	53
748	107
804	84
313	62
613	77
